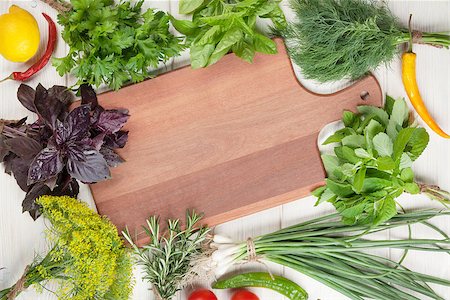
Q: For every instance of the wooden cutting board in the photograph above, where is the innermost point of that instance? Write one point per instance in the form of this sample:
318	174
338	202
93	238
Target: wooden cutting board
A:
228	140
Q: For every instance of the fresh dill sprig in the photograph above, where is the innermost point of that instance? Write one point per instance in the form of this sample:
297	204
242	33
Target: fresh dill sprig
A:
345	39
166	259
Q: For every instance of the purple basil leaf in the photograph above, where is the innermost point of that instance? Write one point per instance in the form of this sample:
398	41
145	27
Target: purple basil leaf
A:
24	147
88	95
19	168
112	158
48	107
51	182
45	165
116	140
96	114
97	141
26	95
62	94
4	149
92	168
75	126
112	120
7	162
29	203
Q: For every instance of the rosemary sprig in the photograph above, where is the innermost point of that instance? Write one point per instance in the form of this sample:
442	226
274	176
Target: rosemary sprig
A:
166	259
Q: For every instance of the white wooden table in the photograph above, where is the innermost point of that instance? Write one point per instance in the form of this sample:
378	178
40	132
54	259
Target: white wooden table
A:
21	238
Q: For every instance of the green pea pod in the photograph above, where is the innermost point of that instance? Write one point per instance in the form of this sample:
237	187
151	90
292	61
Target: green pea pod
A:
259	279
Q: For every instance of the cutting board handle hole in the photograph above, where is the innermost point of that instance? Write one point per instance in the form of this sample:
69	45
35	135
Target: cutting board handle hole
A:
364	95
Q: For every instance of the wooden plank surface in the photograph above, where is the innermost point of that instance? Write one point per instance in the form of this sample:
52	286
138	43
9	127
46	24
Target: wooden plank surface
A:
228	140
21	238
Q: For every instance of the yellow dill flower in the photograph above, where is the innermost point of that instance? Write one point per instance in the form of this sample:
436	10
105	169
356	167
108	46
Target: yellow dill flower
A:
88	257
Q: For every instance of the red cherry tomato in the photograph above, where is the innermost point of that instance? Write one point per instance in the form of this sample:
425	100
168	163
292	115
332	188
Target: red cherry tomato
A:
202	295
244	295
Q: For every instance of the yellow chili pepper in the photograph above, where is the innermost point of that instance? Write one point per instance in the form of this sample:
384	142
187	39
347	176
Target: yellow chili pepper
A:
412	89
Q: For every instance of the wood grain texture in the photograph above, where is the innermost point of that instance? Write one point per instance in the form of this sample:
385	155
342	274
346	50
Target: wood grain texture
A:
228	140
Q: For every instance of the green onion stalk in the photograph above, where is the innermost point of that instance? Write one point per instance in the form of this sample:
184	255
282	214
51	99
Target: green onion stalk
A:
334	254
345	39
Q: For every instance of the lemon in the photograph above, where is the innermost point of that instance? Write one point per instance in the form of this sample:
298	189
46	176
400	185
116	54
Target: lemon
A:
19	35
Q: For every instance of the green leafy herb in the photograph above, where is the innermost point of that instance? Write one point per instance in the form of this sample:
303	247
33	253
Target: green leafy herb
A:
166	259
114	43
345	39
371	165
221	26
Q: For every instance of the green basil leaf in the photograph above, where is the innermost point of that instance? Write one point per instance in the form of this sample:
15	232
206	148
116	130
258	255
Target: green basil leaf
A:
244	50
230	38
185	27
210	36
383	144
263	44
188	6
200	55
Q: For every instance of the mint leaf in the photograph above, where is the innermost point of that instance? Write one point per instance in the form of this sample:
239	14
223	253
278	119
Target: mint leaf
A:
418	142
385	163
340	189
383	144
380	115
412	188
405	161
400	112
330	164
407	175
384	210
358	181
360	152
354	141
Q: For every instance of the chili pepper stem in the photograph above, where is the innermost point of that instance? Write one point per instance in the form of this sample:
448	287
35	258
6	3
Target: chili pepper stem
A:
410	34
7	78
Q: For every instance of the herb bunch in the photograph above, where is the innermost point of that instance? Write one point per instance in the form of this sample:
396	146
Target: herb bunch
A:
87	259
166	259
48	156
114	43
372	161
221	26
344	39
333	253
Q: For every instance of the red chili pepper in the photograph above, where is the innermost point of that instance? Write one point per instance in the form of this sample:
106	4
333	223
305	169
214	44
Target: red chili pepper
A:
52	35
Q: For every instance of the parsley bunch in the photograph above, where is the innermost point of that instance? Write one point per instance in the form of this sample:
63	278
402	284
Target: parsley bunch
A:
114	43
221	26
371	165
88	258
